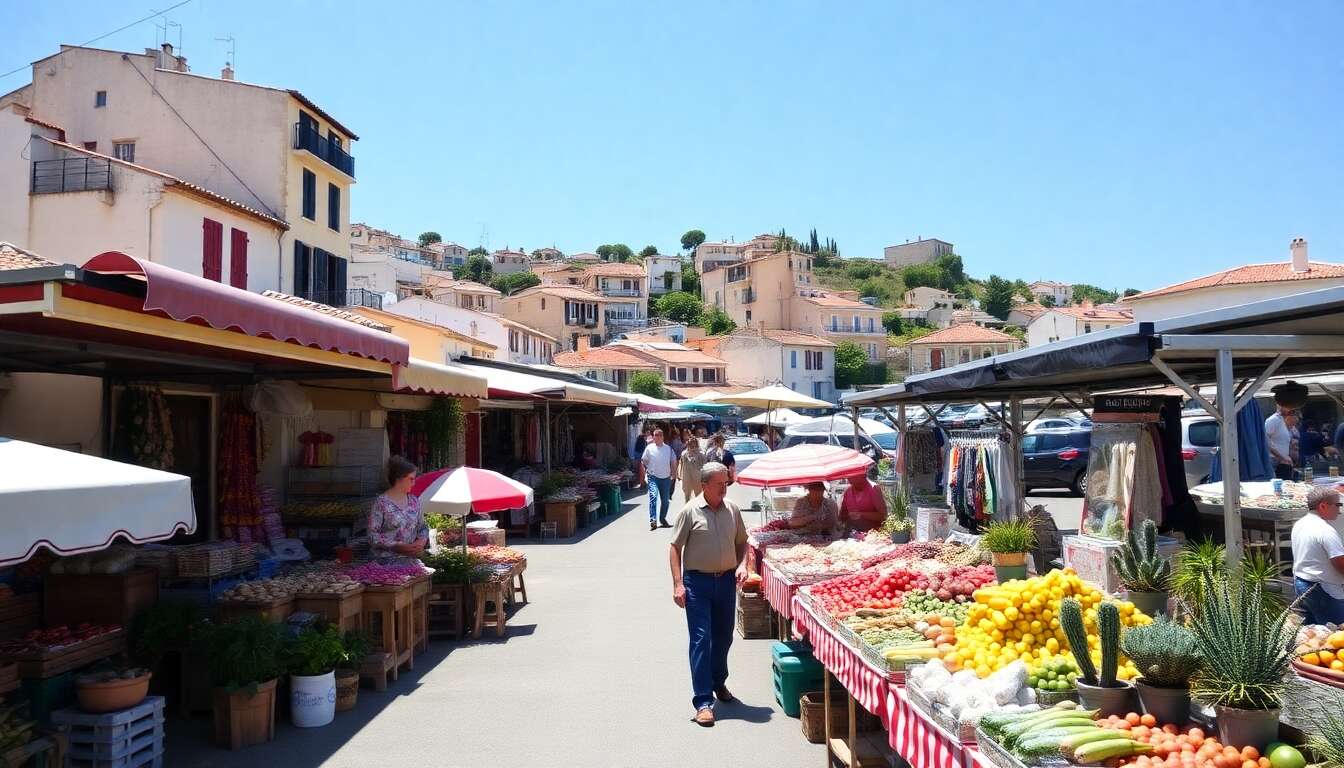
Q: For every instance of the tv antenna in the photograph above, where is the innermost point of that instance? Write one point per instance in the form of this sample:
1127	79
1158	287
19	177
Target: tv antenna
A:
231	59
165	30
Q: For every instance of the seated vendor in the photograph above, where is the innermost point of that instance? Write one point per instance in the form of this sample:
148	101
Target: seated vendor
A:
396	527
1318	558
863	508
814	511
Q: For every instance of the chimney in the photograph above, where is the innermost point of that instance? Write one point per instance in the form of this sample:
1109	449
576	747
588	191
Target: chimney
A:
226	73
1299	250
584	344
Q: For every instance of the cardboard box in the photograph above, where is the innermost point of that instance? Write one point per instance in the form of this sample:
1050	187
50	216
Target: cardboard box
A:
933	523
1090	557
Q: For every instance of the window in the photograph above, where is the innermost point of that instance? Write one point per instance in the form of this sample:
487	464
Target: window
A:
99	99
965	355
835	322
309	195
92	146
543	302
856	323
124	150
817	390
238	258
986	352
711	376
793	358
870	325
303	266
1031	444
695	375
1087	327
334	139
333	207
212	249
1204	433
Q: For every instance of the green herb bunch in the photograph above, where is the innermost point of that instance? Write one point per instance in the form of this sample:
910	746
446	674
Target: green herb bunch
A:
245	653
1009	536
316	650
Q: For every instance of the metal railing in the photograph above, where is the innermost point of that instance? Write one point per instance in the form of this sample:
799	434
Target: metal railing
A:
70	174
310	138
353	297
624	292
748	297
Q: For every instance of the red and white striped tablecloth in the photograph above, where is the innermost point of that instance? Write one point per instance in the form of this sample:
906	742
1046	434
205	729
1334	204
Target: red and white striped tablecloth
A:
922	742
865	682
778	590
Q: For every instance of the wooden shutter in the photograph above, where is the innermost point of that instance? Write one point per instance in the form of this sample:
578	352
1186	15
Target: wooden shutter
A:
238	259
320	275
212	249
338	267
309	195
334	207
303	270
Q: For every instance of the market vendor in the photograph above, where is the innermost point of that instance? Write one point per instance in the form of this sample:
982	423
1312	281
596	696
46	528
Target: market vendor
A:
863	508
815	511
396	527
1318	558
1279	430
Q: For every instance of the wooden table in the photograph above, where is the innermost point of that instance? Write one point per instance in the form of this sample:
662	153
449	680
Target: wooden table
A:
420	614
494	592
392	606
344	610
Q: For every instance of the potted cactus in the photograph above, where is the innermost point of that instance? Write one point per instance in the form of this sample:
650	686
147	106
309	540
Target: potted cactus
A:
1008	543
1167	656
1144	574
1097	689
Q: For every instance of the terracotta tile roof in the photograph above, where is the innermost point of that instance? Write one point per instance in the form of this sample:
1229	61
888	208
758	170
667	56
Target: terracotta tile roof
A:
604	358
563	291
1049	284
547	267
13	257
515	324
466	286
328	310
836	302
651	351
307	102
967	333
179	184
585	256
612	269
796	338
58	129
1096	313
1273	272
392	317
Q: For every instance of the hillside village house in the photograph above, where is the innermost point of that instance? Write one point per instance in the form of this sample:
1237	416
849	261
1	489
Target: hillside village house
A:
921	251
270	149
523	344
623	285
663	273
57	197
1049	291
677	332
613	364
1023	312
585	257
398	246
559	273
462	293
679	363
956	345
1057	323
711	256
376	271
564	312
448	255
1239	285
547	254
762	357
506	262
840	316
433	342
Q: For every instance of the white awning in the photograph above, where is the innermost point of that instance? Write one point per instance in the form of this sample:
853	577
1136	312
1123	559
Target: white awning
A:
425	377
73	503
504	383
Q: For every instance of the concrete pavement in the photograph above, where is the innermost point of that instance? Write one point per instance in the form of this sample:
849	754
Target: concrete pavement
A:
593	673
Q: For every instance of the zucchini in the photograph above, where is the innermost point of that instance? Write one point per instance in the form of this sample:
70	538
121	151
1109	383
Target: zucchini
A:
1069	744
1101	751
1012	739
1014	730
994	723
1047	743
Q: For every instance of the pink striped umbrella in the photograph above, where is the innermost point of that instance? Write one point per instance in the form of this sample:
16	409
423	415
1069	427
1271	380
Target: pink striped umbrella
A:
804	464
468	489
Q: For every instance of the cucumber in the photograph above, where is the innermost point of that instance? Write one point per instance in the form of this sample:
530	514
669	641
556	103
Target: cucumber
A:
1101	751
1069	744
1015	730
1047	743
1012	739
994	723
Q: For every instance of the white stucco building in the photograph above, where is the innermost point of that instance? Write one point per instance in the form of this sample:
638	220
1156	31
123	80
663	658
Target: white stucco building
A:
663	272
1050	291
758	357
523	344
1057	323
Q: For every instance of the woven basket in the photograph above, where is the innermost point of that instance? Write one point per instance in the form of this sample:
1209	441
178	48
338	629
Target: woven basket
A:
245	556
204	561
162	560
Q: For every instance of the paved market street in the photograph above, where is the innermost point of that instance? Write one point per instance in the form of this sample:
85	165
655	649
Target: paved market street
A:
593	673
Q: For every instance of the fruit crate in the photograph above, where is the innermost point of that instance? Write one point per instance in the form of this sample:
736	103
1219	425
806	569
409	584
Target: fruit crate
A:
205	561
49	663
131	737
1002	758
754	620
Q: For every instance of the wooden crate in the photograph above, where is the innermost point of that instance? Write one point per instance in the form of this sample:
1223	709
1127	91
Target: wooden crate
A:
50	664
754	618
99	598
342	610
273	610
19	614
562	514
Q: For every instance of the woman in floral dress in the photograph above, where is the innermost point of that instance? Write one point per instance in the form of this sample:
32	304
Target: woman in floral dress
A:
396	527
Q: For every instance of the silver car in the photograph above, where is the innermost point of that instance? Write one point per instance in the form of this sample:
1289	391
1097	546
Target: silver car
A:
1199	446
745	451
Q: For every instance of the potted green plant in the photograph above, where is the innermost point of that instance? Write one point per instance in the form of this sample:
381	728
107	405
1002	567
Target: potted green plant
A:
1326	742
1166	655
1247	649
245	659
1144	574
313	656
1097	689
1196	564
898	523
1007	543
354	647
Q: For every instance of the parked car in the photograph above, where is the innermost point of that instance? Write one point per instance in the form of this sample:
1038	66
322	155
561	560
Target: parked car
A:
962	416
1057	422
1057	459
745	451
1199	446
875	438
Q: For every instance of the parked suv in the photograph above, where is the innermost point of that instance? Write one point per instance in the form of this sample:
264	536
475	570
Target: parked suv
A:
1057	458
1199	446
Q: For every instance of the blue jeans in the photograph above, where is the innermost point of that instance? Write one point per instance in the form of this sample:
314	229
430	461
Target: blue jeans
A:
710	605
1319	607
660	493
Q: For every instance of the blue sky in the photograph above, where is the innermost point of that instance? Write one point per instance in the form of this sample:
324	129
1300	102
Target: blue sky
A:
1121	144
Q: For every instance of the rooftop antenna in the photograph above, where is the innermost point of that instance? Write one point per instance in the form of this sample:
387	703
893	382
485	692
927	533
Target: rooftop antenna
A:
232	57
165	29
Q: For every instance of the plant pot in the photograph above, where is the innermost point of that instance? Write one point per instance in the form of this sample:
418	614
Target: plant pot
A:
243	718
312	699
1111	701
900	537
1168	705
1151	603
347	689
1008	558
112	695
1003	573
1247	727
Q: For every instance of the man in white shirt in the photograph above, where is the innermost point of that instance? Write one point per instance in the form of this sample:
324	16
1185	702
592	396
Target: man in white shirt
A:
660	464
1279	432
1318	558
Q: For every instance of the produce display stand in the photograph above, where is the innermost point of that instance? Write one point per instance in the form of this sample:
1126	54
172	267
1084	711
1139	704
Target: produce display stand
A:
392	606
921	741
420	614
70	657
278	609
345	610
493	591
517	587
779	592
447	611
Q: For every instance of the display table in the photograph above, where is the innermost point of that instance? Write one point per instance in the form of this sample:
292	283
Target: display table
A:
779	592
392	605
920	741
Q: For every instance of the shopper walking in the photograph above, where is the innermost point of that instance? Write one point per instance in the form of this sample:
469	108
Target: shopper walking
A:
709	544
660	465
691	461
1318	558
1279	433
641	442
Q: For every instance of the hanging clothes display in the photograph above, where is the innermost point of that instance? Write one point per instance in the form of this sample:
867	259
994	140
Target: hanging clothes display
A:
920	457
1125	484
981	485
239	497
408	437
144	434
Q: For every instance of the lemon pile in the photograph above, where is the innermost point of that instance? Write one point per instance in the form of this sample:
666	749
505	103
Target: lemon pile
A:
1019	620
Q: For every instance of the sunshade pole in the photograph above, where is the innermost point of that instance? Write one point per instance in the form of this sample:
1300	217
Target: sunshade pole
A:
903	428
854	412
547	432
1228	451
1019	458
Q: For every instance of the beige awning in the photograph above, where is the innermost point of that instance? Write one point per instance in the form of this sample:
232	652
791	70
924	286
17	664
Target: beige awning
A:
424	377
505	383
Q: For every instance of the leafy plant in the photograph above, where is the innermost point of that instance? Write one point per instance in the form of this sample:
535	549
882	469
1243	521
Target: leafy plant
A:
451	566
1247	649
1009	536
1327	742
355	645
442	522
1137	563
167	625
896	523
548	485
1196	564
245	653
1165	652
1260	569
616	464
315	651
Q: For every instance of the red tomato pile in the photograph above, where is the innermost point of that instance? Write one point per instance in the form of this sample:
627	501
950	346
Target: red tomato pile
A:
874	589
39	640
1174	748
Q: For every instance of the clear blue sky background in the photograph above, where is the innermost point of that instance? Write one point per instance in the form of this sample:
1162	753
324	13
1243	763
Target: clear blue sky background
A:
1120	144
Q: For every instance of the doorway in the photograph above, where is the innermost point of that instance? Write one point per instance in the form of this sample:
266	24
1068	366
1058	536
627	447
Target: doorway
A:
193	455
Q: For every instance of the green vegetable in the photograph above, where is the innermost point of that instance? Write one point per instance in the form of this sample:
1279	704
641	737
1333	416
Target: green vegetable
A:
1108	628
1071	621
1056	718
1137	563
993	723
1101	751
1069	744
1285	756
1047	743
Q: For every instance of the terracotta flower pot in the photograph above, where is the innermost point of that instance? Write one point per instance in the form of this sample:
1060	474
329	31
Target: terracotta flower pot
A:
1168	705
347	689
1248	727
1117	700
243	718
112	695
1008	558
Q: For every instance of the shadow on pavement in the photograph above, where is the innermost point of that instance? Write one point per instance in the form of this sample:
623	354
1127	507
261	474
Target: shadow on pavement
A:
738	710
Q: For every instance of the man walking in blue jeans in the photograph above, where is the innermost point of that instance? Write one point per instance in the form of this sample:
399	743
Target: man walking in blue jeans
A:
709	545
660	464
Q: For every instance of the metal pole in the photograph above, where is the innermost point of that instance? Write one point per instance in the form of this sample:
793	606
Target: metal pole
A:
1019	459
854	411
902	426
546	449
1228	450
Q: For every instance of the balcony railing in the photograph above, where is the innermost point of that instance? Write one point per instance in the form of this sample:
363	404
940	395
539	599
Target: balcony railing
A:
748	297
70	174
353	297
627	322
309	138
624	292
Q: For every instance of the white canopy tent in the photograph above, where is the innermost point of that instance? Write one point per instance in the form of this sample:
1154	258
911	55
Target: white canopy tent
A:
780	417
73	503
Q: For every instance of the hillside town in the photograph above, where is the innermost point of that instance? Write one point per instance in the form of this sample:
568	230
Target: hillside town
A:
277	475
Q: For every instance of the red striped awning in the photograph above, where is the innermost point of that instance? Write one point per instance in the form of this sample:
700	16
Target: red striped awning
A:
804	464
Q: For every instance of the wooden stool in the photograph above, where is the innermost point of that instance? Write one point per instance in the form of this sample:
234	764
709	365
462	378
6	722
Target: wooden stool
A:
517	585
548	529
489	592
420	614
392	605
447	606
375	669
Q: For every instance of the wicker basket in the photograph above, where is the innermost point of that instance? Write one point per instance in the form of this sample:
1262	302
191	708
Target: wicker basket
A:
161	559
813	716
245	556
204	561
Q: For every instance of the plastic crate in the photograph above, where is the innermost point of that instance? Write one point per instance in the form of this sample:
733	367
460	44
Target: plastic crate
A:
48	694
1090	557
130	737
796	672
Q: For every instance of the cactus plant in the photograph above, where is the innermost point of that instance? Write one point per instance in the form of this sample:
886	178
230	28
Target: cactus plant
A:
1165	652
1071	621
1108	629
1137	563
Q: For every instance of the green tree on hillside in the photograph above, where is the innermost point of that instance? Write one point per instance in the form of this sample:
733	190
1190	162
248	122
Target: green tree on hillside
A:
478	251
615	252
952	274
680	307
478	268
430	237
647	383
648	250
1046	300
690	281
862	269
892	322
1016	332
1083	292
514	282
1021	288
874	287
850	361
998	297
1132	292
717	322
692	239
922	276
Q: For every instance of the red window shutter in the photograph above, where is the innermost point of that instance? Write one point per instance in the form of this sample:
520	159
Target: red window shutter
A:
238	259
212	250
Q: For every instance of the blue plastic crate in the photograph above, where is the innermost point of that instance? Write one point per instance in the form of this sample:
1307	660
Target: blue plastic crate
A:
130	737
